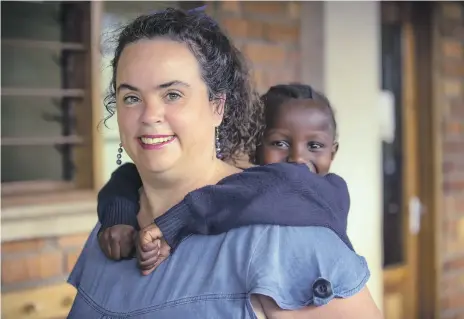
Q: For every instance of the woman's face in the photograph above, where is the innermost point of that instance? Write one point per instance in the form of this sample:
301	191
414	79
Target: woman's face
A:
165	117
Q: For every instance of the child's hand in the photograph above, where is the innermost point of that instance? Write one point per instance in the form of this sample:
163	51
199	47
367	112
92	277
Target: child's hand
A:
151	249
117	242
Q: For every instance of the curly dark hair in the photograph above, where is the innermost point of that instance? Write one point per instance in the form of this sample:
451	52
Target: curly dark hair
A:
223	70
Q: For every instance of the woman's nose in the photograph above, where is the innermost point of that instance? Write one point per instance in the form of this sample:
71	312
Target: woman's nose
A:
153	112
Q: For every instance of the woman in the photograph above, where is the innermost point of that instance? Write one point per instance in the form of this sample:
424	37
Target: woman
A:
176	78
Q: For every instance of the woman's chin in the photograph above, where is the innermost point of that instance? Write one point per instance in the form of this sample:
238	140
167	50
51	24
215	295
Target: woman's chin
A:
156	165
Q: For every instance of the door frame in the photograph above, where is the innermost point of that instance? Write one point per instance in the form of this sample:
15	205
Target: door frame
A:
423	164
431	154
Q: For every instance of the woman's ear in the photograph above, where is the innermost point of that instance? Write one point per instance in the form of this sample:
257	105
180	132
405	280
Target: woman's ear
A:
218	105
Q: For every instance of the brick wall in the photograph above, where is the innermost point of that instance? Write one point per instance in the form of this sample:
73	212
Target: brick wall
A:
450	22
267	33
39	262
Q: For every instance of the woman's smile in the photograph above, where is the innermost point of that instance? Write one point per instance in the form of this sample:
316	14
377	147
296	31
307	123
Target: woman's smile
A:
155	142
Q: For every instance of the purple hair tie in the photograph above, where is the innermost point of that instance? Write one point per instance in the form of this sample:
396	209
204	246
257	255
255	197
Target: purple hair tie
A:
195	10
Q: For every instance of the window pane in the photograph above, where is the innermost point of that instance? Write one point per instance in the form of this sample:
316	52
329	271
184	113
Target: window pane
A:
25	67
31	163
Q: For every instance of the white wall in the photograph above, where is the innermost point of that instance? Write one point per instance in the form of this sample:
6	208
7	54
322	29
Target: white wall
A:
352	83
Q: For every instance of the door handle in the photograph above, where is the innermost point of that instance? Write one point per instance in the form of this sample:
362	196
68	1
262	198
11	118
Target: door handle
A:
415	215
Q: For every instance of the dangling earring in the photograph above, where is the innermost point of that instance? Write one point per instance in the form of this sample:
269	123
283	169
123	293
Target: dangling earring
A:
119	155
218	144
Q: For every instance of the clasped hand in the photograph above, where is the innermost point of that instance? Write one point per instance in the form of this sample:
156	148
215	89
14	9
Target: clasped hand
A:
119	242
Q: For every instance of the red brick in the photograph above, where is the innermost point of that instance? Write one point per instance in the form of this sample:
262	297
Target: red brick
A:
265	7
449	247
454	127
452	301
453	147
449	228
454	204
262	53
451	283
448	167
452	49
231	6
282	33
452	88
460	230
211	10
241	28
258	78
235	27
451	116
294	10
255	29
71	259
73	240
32	267
453	68
22	246
452	29
453	187
457	109
452	10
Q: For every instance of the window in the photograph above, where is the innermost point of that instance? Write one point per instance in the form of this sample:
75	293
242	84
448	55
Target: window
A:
48	119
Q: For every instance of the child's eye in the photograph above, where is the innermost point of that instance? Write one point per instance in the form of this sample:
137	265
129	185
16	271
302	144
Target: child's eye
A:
281	144
131	99
315	145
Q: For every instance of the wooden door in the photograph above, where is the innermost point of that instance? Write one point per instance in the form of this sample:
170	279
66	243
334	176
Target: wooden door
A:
402	206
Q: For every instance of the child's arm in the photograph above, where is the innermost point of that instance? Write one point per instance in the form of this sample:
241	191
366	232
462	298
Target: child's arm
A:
118	200
278	194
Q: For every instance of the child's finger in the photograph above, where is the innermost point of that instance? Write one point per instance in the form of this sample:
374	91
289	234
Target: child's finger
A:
148	271
147	264
108	251
115	249
147	260
149	254
104	244
126	248
151	245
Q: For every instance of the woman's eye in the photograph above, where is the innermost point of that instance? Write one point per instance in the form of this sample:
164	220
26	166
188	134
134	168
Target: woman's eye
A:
173	96
280	144
131	99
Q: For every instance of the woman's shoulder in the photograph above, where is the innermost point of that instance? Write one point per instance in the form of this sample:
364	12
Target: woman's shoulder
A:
313	262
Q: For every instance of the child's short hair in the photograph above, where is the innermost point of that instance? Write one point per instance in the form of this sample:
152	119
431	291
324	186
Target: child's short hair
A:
281	93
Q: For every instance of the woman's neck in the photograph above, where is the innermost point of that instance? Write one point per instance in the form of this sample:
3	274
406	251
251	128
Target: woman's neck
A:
163	192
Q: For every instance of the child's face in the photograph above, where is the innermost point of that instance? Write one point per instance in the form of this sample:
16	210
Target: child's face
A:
299	131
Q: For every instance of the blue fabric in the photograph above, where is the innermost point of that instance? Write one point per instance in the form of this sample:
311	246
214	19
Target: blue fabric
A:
211	277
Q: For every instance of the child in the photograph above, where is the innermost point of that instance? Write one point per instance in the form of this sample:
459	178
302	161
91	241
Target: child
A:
301	129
